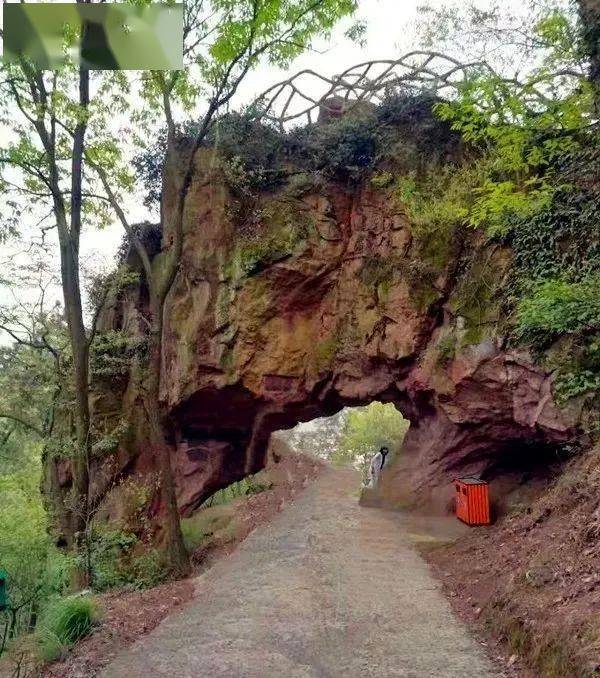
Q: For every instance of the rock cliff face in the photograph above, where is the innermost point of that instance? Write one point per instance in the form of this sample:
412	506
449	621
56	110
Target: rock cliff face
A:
314	297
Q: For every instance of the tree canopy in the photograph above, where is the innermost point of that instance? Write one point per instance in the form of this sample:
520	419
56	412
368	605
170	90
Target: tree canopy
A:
367	429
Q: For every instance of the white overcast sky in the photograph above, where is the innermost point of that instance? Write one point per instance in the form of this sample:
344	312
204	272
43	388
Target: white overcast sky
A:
390	31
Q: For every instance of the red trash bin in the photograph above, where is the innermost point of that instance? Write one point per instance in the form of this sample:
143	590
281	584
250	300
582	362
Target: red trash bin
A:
472	501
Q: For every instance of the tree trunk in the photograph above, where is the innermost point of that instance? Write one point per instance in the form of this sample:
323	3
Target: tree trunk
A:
79	348
590	15
68	223
177	559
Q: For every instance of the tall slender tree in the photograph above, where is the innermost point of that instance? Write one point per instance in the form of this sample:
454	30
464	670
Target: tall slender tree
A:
45	163
66	155
224	41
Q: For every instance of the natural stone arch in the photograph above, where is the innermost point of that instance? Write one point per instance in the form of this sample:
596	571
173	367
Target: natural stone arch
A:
224	434
213	451
327	297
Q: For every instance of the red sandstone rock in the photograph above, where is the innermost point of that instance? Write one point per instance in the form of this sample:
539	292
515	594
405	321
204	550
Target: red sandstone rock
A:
326	300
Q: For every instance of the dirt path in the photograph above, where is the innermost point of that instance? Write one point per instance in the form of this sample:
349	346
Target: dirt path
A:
327	590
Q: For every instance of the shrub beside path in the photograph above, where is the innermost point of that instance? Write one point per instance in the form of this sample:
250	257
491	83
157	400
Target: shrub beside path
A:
328	589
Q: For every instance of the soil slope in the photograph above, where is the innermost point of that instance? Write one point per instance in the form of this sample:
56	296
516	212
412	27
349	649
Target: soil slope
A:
327	589
533	580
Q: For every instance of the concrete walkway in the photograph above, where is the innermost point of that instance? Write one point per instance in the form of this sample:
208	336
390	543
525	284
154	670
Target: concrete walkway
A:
327	590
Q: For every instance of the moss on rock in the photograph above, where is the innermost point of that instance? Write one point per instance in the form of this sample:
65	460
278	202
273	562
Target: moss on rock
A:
281	226
325	352
477	298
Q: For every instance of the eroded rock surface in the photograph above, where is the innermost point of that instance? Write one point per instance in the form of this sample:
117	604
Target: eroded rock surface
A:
313	297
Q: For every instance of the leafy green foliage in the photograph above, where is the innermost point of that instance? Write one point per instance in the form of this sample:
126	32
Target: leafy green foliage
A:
241	180
497	202
562	241
554	282
120	552
524	128
36	569
344	148
34	391
382	179
440	199
113	351
33	373
120	559
573	381
556	307
367	429
250	154
254	155
350	147
208	526
64	622
214	521
101	286
521	146
255	148
241	488
263	22
107	442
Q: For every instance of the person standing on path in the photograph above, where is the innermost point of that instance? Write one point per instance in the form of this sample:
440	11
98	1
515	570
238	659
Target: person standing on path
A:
376	467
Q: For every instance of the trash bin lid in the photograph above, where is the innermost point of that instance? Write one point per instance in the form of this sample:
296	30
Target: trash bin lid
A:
472	481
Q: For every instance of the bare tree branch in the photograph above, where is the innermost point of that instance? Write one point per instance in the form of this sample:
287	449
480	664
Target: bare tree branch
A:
20	420
115	203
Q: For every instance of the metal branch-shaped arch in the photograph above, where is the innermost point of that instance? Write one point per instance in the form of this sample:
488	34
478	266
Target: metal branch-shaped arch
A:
307	92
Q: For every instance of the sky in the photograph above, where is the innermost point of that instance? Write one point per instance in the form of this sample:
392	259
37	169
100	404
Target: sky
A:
391	30
388	34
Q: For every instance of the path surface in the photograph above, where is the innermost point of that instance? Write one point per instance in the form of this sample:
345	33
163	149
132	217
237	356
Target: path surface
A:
327	590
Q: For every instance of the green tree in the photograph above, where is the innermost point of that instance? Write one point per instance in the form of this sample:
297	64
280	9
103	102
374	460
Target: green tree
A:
34	389
34	367
36	569
524	124
65	151
47	115
590	20
367	429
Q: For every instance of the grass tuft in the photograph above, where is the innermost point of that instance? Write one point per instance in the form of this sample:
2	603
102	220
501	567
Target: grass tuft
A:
65	621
